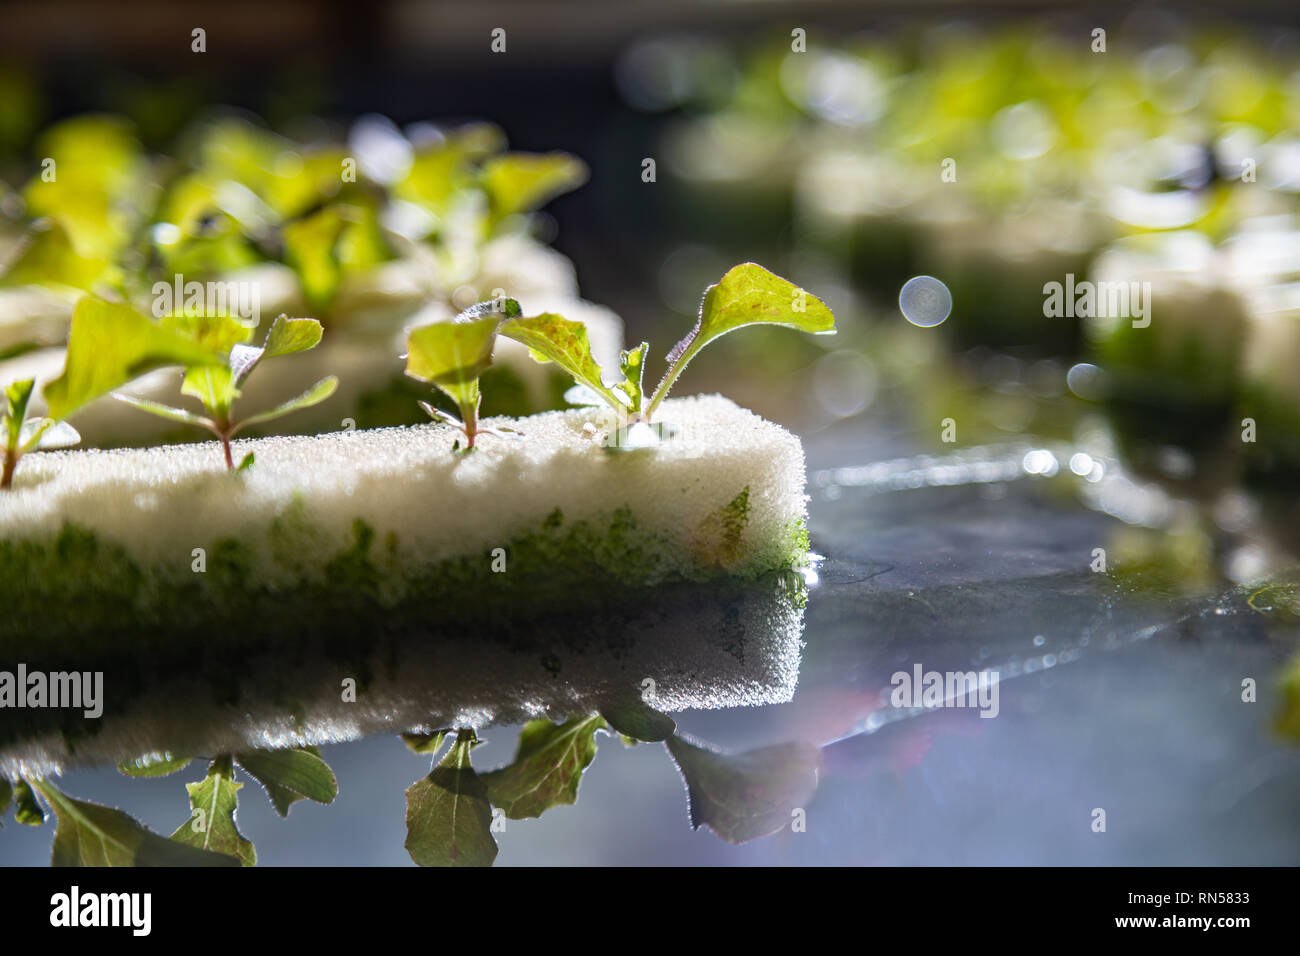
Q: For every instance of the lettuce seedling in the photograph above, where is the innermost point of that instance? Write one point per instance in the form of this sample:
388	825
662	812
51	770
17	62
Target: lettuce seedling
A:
217	386
747	295
452	355
108	345
22	435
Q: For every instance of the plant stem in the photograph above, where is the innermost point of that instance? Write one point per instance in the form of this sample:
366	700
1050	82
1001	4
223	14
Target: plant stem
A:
225	445
7	476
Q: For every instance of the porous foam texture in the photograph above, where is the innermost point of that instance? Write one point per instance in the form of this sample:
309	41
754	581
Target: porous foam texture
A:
393	514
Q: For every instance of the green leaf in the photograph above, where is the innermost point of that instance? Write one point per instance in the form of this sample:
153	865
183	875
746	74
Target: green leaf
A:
311	247
313	396
452	353
247	462
109	345
448	816
748	795
17	395
285	337
213	333
425	743
88	834
214	387
211	825
165	411
548	766
290	775
46	256
46	433
6	795
553	338
521	182
632	364
27	810
631	717
437	174
154	765
747	295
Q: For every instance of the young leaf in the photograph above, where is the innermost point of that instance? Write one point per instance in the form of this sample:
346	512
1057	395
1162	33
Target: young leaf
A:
520	182
748	795
165	411
17	395
553	338
290	775
27	809
285	337
631	717
154	765
548	766
747	295
631	362
247	462
211	825
47	434
451	353
88	834
313	396
108	345
448	816
425	743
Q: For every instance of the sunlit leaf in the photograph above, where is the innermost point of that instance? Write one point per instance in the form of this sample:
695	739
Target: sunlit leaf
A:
311	249
451	353
285	337
109	345
16	396
553	338
164	411
448	816
548	766
290	775
211	826
521	182
88	834
45	256
747	295
313	396
748	795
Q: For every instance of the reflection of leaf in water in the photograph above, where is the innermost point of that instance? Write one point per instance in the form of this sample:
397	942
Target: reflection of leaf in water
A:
154	765
1278	598
1288	721
748	795
213	801
425	743
548	766
448	817
27	810
92	835
633	718
290	775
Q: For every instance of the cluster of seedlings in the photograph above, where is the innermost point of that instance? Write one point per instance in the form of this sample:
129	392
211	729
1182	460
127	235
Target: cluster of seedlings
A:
112	343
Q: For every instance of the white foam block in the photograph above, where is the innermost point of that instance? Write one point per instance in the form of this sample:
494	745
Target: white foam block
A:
726	494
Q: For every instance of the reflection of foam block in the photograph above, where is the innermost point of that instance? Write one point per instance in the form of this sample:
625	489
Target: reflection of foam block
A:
688	647
100	543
